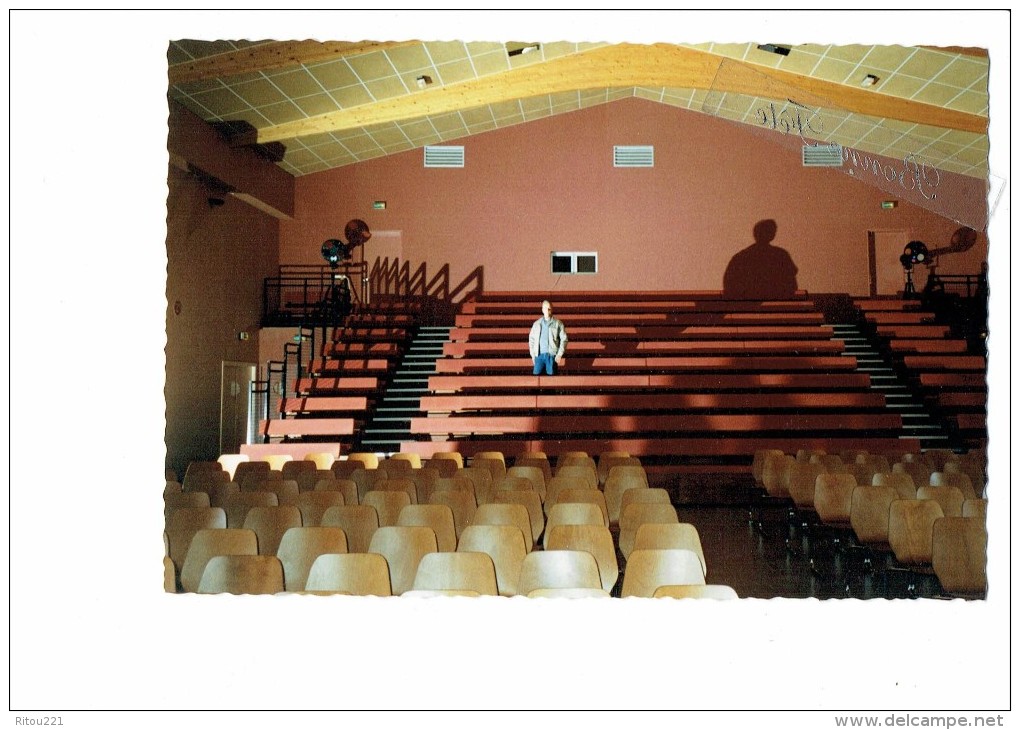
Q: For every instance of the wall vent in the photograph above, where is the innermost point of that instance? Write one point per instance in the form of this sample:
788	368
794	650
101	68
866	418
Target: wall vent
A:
822	155
634	156
575	262
444	156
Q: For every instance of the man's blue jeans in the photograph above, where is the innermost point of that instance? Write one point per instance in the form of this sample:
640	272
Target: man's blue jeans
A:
545	363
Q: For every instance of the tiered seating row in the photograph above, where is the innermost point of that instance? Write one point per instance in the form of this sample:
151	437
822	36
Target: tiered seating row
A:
691	380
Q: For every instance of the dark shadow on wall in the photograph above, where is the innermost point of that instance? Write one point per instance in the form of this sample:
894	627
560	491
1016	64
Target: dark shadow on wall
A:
761	271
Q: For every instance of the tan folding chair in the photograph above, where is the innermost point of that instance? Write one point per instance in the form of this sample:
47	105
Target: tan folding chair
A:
975	508
455	456
229	462
403	548
269	523
758	464
569	593
608	459
413	459
833	496
616	485
585	496
650	495
254	471
648	570
669	536
239	504
800	483
557	485
457	571
203	479
506	514
505	545
314	504
572	513
869	514
583	472
559	569
641	513
714	591
355	574
208	543
366	480
493	460
773	475
531	501
533	474
323	460
959	480
424	482
461	503
296	467
481	477
184	523
960	555
299	548
176	500
358	521
346	487
367	460
242	574
437	517
387	505
950	499
902	482
919	471
398	484
536	459
910	530
594	539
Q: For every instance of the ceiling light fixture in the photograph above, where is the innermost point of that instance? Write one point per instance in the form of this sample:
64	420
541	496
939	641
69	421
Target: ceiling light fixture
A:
869	80
773	48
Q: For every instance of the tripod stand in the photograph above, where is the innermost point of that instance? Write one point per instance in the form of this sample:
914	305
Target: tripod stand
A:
336	304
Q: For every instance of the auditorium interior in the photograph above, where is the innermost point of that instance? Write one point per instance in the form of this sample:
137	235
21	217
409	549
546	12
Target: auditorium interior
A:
770	260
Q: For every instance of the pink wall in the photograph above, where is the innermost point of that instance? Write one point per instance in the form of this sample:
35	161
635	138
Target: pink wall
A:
550	185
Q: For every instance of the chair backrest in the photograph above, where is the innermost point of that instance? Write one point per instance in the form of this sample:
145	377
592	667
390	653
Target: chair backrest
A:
876	462
648	570
366	480
608	459
314	504
758	464
505	545
616	485
242	574
387	505
169	575
594	539
511	483
346	487
206	544
975	508
276	461
182	525
573	513
461	503
399	484
237	505
176	500
437	517
586	496
358	521
454	456
920	471
716	591
321	459
425	481
654	496
294	468
442	467
356	574
800	483
269	523
201	479
506	514
571	458
286	490
960	555
395	468
833	494
366	459
559	569
832	463
910	529
641	513
869	513
532	473
667	536
403	548
255	471
569	593
536	459
773	474
493	460
229	462
458	571
950	499
531	501
300	546
342	469
307	479
557	485
954	479
413	459
902	482
806	454
579	471
481	477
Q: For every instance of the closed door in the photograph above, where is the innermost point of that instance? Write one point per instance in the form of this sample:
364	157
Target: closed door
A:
235	405
887	274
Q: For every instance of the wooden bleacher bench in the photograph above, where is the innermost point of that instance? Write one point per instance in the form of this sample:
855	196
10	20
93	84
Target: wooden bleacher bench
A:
323	403
568	307
909	317
927	346
933	363
623	364
687	382
290	427
371	365
295	450
887	305
379	349
648	333
752	402
560	298
913	331
643	423
961	381
685	319
462	349
337	386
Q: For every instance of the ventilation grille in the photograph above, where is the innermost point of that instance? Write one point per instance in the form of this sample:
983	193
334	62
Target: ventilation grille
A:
634	156
822	155
575	262
444	156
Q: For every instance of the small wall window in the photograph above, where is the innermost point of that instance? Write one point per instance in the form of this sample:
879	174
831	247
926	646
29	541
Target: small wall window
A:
575	262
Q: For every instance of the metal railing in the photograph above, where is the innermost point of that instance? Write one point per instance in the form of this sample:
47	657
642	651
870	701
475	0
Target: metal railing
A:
304	294
281	376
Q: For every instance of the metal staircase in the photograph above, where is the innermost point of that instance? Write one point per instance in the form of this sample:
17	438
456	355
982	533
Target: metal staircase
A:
391	422
918	422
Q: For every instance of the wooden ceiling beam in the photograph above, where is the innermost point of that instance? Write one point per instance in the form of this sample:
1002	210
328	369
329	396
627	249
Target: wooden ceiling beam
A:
624	65
271	56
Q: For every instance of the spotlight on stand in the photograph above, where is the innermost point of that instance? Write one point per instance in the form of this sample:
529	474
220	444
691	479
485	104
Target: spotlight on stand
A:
914	253
334	250
337	302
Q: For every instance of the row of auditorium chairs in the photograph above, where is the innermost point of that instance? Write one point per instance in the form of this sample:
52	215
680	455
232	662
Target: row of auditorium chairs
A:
883	517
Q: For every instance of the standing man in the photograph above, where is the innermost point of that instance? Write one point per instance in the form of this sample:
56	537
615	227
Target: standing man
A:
547	341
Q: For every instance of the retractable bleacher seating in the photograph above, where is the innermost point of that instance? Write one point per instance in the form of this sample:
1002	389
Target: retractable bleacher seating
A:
691	383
